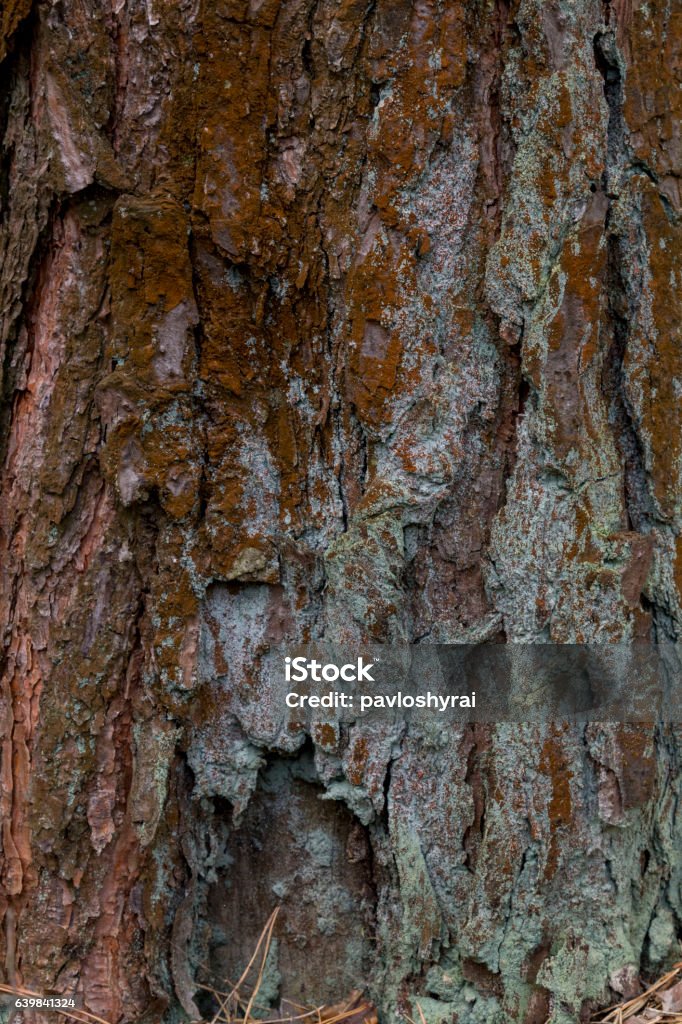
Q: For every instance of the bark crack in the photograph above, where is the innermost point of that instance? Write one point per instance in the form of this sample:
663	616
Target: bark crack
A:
622	291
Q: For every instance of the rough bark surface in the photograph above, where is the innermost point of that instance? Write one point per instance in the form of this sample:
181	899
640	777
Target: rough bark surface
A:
342	318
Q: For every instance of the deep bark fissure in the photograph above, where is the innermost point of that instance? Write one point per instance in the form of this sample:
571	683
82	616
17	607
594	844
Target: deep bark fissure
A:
624	287
637	503
637	500
266	847
12	366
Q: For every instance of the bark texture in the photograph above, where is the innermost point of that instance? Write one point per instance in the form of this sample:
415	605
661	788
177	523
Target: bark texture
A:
342	318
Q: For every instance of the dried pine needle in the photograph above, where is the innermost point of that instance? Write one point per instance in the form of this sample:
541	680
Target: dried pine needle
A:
235	1007
653	1006
660	1003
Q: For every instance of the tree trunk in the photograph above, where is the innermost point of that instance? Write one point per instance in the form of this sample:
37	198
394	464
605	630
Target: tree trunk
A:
341	319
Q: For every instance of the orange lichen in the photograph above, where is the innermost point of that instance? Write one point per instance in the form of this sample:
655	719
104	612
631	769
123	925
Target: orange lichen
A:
554	765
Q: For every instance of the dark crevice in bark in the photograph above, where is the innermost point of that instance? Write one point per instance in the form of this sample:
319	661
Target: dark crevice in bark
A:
8	70
624	292
306	55
14	68
94	192
377	90
637	503
607	63
20	37
474	778
17	364
308	45
253	864
386	785
523	393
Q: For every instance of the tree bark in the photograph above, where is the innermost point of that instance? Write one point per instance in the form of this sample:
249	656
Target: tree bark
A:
354	320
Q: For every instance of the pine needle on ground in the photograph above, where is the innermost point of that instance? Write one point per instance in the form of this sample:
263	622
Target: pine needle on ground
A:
661	1003
235	1006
